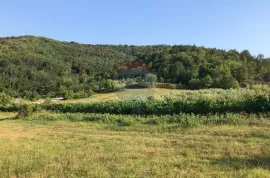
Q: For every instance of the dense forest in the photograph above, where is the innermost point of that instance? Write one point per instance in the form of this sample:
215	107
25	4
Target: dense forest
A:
37	66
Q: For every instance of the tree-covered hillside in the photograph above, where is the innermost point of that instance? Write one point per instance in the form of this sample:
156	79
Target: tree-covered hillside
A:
32	66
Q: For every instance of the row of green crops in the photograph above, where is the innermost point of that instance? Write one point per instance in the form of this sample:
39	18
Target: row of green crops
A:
251	104
182	120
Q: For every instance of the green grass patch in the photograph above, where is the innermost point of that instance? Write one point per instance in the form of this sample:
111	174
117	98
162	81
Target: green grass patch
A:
64	148
181	120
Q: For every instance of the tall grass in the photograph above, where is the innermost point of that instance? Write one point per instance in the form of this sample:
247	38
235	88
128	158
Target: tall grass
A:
181	120
211	101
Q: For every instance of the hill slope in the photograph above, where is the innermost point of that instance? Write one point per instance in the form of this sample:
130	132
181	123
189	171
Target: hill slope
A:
37	65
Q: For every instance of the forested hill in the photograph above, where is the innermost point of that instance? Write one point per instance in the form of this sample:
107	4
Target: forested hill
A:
40	65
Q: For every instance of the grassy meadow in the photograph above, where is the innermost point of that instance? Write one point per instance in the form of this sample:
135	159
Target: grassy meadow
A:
160	93
53	143
126	95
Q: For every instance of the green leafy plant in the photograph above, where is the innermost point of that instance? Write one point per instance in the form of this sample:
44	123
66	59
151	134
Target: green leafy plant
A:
4	99
25	111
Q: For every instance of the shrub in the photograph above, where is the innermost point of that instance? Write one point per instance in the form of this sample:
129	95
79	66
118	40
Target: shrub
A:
31	95
66	93
129	81
207	81
151	98
9	108
4	99
227	118
47	101
166	85
228	82
181	86
261	87
194	83
80	94
125	121
184	120
90	92
24	111
151	78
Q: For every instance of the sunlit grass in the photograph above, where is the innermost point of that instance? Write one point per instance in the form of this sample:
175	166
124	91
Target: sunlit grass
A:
6	115
160	93
49	144
126	95
86	149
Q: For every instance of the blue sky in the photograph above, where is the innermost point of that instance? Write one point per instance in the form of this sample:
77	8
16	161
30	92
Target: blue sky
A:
225	24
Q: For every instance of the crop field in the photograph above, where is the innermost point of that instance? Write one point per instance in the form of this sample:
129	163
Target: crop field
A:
165	133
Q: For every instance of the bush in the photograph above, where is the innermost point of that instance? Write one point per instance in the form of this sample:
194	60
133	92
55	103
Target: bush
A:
166	85
151	78
129	81
207	81
25	111
194	83
228	82
51	94
66	93
90	92
80	94
125	121
9	108
151	98
4	99
227	118
261	87
181	86
33	96
183	120
47	101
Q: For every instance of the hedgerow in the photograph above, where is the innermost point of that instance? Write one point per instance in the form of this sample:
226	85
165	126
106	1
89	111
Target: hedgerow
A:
250	104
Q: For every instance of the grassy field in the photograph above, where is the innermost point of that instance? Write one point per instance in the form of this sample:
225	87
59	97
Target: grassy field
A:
40	148
72	143
126	95
160	93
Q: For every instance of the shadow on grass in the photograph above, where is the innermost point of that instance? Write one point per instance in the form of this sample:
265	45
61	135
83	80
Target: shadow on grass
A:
259	135
8	119
240	163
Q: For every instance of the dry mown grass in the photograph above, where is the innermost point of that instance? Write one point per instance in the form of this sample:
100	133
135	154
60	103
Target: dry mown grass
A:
126	95
79	149
18	133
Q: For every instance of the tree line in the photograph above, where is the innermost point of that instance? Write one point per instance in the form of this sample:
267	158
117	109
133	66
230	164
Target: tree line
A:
37	66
